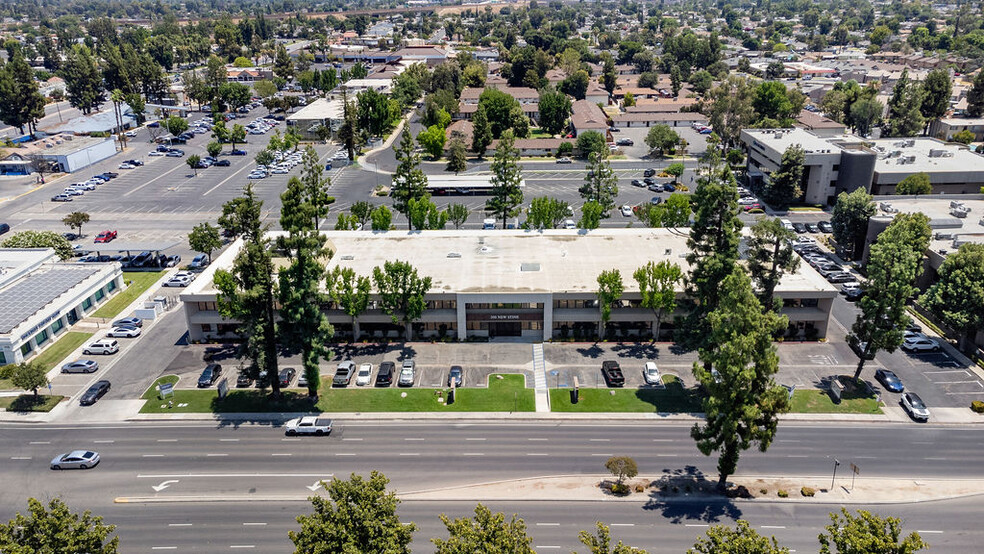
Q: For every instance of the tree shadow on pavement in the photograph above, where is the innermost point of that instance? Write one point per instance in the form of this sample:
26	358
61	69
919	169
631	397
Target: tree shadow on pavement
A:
638	350
683	495
347	351
594	352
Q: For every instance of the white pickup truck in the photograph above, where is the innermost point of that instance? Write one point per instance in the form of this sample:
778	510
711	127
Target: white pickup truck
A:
309	425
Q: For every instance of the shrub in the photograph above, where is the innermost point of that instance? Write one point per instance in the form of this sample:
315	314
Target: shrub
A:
977	406
640	488
808	491
763	491
620	488
782	493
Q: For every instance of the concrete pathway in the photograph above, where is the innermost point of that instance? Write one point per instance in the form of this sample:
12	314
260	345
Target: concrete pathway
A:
542	395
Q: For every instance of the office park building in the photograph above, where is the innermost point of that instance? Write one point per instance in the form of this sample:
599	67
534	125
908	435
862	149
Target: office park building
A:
515	284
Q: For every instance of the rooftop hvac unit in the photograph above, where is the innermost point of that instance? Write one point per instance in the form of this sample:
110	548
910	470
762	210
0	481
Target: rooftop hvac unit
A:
910	143
910	159
956	204
454	254
944	236
956	212
936	153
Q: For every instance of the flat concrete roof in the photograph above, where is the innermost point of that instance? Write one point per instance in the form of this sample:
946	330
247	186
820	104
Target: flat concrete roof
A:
321	108
937	209
948	158
516	261
781	139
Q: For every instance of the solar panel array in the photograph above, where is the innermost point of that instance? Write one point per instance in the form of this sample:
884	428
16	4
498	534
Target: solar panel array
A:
32	293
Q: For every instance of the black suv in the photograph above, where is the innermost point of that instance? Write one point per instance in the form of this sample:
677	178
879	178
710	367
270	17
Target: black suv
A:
384	377
209	375
243	380
649	172
286	376
95	392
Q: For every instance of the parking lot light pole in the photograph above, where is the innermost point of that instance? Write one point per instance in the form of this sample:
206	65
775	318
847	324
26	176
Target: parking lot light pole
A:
836	463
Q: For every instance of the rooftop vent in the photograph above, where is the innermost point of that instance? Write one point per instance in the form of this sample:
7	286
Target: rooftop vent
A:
529	266
454	254
347	257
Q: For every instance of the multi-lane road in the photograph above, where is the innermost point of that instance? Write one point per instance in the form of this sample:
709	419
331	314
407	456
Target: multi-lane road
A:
205	488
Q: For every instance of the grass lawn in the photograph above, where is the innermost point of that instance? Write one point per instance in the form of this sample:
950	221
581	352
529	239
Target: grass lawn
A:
140	282
539	133
503	395
674	398
30	403
61	348
812	401
5	384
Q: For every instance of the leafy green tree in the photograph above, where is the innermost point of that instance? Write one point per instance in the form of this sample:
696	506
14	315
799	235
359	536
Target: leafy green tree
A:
600	183
609	77
247	292
737	368
917	183
867	533
590	142
771	101
204	238
783	186
235	95
432	141
401	292
850	219
713	244
374	114
409	182
457	155
576	85
657	286
264	88
424	214
676	170
904	108
743	539
83	80
936	88
555	109
770	256
965	136
865	114
304	327
546	213
56	529
175	125
283	66
21	104
193	161
621	467
610	290
730	109
481	132
892	269
264	157
975	96
382	219
957	296
486	532
359	515
76	220
661	138
507	176
351	292
40	239
214	148
498	109
457	214
29	376
601	543
591	213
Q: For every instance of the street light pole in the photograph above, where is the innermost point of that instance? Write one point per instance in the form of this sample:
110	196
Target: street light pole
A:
836	463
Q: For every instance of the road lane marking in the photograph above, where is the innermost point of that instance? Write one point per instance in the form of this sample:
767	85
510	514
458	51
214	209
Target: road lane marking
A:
180	524
537	439
696	525
215	455
152	456
39	442
228	440
20	457
609	455
210	475
163	547
772	526
797	456
549	546
281	454
666	455
621	524
473	454
413	439
933	532
599	440
253	523
936	459
167	440
475	439
242	546
103	442
353	439
663	440
345	453
409	453
547	524
537	454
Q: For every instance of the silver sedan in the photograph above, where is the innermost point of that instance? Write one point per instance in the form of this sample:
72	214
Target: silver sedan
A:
77	459
80	366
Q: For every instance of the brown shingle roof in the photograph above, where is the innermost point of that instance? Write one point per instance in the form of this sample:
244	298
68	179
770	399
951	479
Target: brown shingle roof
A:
585	115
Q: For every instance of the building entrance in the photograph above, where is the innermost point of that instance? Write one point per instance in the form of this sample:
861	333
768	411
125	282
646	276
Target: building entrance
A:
505	329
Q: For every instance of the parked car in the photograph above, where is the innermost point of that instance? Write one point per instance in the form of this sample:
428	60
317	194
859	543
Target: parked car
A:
920	344
243	379
649	181
626	210
457	376
76	459
384	376
612	373
237	152
656	200
222	163
889	380
649	172
364	375
286	376
825	227
656	187
343	374
63	197
799	227
80	366
651	374
209	375
199	262
179	281
564	160
4	227
624	142
638	183
174	154
124	332
102	346
840	277
105	236
668	187
95	392
915	407
407	373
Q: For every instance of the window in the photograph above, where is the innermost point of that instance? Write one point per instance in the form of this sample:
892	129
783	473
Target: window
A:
837	167
99	295
206	327
41	337
86	304
111	286
207	307
26	348
56	326
3	358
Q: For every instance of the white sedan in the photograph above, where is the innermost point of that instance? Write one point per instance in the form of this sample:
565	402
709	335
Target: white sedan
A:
920	344
125	165
364	375
130	134
155	154
627	210
179	281
651	373
125	332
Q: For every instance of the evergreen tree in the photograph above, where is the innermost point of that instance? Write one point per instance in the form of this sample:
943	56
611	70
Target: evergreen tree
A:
770	256
783	186
457	157
936	90
975	97
600	183
850	219
507	195
481	132
21	104
83	80
409	182
904	108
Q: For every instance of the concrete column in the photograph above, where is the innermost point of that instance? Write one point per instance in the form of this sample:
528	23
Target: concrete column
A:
462	324
548	317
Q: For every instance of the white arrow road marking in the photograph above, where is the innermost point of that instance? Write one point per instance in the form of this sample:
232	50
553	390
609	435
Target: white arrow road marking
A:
164	485
317	485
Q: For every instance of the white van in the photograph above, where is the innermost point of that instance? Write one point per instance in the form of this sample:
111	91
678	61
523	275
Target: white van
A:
787	224
103	346
488	224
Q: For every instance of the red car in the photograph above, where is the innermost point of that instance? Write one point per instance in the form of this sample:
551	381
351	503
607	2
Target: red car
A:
755	206
106	236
